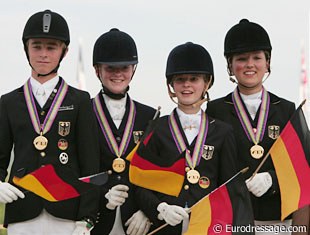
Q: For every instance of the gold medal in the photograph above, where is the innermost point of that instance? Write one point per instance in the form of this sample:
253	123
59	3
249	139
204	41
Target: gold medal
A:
257	151
119	165
193	176
40	142
204	182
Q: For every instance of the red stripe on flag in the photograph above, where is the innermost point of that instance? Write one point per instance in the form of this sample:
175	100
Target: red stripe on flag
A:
178	167
145	142
299	162
51	181
221	210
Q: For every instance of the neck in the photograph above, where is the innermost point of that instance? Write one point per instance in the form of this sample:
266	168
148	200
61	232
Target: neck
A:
42	79
189	109
249	90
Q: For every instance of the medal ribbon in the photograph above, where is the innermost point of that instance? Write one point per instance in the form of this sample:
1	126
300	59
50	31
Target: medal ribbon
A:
244	119
193	160
106	129
52	112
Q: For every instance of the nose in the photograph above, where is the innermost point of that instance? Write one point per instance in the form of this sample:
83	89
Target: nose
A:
43	53
250	63
186	83
117	71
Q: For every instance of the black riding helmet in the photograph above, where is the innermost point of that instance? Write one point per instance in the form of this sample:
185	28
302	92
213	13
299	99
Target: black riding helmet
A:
115	48
246	36
46	24
189	58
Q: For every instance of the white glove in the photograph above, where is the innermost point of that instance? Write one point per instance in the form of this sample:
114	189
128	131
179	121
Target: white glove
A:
81	228
138	224
9	193
116	196
172	214
260	183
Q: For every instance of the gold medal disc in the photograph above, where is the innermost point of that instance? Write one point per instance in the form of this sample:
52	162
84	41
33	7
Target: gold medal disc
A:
119	165
193	176
40	142
257	151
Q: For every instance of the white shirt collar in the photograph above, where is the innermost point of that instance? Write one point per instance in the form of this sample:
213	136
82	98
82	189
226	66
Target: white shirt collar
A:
116	108
252	102
48	86
43	91
191	121
256	96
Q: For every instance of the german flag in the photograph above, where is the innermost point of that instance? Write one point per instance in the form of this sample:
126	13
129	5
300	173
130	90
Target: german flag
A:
217	213
289	154
147	170
53	183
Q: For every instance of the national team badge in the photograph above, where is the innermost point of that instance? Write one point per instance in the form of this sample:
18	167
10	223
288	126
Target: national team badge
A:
204	182
137	135
273	132
64	128
207	152
62	144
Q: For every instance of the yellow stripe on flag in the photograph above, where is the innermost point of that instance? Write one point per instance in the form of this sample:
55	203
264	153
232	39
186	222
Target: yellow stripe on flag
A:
166	182
200	219
287	178
132	152
30	181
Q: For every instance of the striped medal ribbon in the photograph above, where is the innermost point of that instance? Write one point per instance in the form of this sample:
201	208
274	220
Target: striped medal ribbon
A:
255	135
40	142
193	160
118	164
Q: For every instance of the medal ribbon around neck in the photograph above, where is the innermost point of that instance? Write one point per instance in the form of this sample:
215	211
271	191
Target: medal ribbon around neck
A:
52	112
106	129
193	160
244	119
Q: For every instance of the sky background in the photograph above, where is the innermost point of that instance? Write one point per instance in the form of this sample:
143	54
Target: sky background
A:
157	27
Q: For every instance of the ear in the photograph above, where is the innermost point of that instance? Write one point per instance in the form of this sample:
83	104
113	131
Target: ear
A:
97	71
268	65
66	51
207	84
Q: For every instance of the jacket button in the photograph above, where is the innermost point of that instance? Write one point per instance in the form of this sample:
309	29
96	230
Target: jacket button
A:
186	187
42	154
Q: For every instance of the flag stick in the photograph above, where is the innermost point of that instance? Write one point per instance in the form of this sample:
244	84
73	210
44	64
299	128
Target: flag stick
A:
157	229
157	113
188	211
260	166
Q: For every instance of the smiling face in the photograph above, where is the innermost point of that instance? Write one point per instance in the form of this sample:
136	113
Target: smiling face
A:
115	78
249	69
189	89
44	55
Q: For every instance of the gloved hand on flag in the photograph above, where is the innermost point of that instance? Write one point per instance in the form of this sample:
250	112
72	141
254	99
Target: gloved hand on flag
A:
82	228
138	224
172	214
9	193
260	183
116	196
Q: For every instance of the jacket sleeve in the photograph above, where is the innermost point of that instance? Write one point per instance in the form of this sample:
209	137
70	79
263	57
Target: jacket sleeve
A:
6	140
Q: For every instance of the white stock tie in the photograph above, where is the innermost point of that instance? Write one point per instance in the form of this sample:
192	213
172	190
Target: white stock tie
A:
41	96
